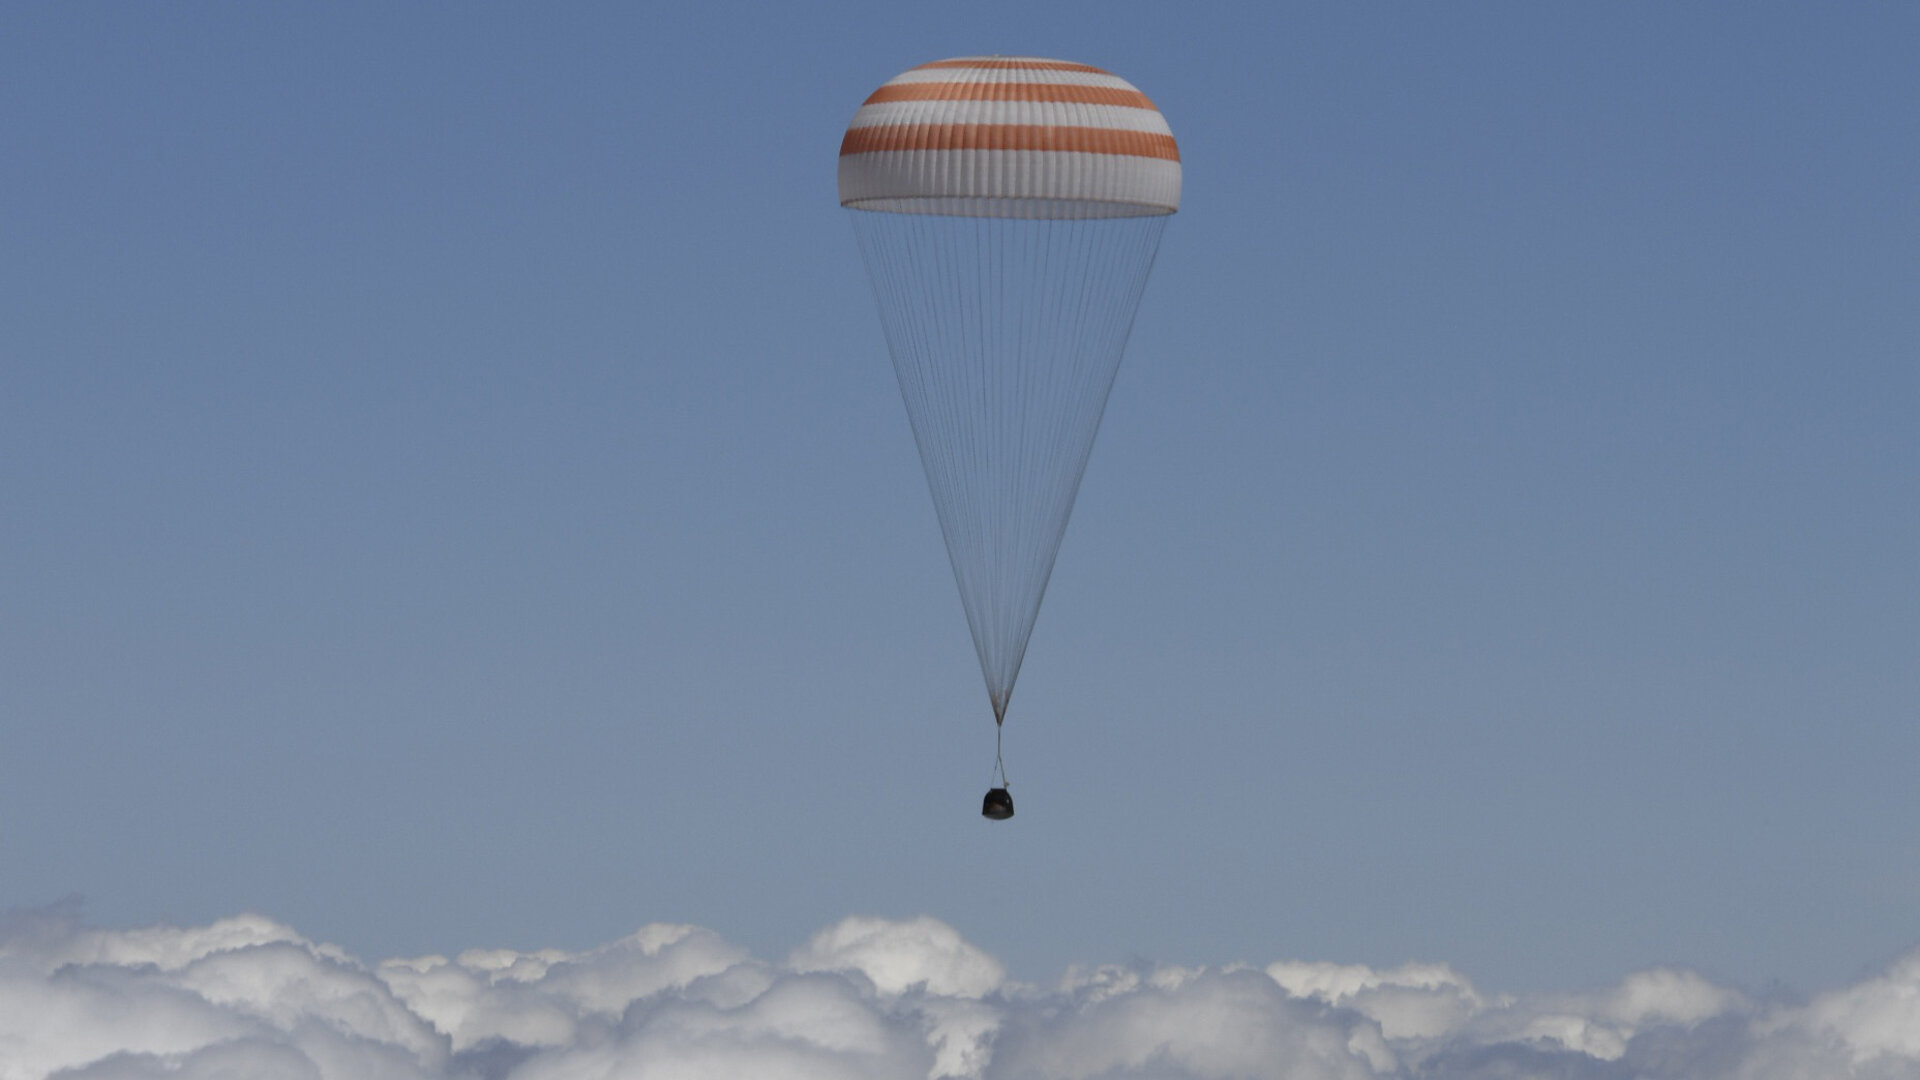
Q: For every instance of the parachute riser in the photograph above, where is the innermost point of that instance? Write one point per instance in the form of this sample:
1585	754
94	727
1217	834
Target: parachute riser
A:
998	805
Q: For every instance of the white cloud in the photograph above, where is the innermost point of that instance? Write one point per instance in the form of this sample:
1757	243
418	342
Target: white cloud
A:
1877	1021
1413	1001
1195	1023
869	998
243	997
898	956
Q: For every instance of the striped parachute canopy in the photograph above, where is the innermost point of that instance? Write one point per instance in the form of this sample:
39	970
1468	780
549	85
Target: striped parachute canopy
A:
1008	209
1010	137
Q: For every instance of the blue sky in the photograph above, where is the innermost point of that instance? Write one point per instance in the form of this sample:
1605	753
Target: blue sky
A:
455	492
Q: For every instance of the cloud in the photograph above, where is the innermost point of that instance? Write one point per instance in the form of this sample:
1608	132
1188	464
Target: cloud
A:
869	998
899	956
552	998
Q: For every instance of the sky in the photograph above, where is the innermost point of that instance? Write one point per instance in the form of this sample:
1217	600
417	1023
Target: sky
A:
456	497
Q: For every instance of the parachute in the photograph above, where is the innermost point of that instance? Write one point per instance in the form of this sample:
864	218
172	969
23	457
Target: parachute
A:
1008	210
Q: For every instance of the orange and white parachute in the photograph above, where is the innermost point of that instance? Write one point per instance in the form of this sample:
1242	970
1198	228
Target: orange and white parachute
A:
1008	209
1010	136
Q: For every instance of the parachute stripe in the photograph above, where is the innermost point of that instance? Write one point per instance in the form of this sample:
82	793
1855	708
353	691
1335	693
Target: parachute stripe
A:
1009	91
1085	140
1041	113
1029	63
1011	75
1010	183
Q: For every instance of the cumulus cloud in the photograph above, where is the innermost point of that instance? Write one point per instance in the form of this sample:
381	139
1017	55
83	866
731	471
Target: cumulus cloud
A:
869	998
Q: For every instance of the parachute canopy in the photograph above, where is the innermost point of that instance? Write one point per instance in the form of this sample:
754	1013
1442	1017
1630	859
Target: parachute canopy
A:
1009	209
1010	136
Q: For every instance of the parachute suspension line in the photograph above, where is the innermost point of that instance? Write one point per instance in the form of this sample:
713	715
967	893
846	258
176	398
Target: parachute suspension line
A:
1006	335
999	777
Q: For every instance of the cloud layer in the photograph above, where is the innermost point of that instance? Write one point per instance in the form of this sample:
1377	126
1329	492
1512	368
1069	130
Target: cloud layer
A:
868	998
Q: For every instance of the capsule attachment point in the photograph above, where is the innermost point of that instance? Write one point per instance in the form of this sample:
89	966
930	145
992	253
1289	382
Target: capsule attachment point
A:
998	805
